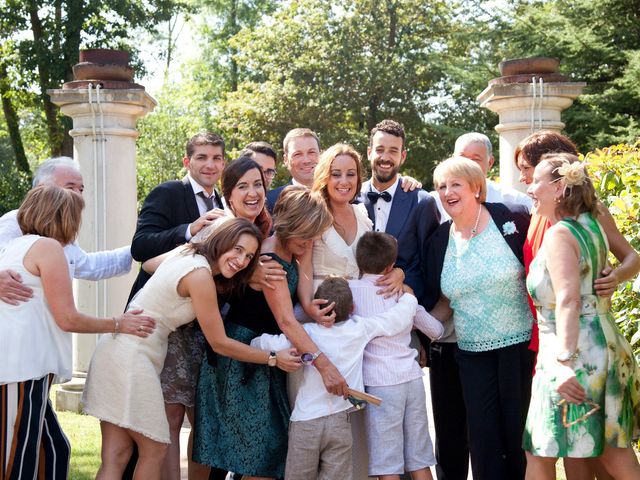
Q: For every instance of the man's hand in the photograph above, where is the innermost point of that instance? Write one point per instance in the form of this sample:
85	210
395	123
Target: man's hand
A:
409	184
12	291
333	381
206	219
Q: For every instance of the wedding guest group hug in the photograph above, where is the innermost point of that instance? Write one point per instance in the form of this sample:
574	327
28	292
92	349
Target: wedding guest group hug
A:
289	324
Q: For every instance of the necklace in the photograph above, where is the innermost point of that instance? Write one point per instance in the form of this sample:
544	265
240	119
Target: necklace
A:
462	245
474	230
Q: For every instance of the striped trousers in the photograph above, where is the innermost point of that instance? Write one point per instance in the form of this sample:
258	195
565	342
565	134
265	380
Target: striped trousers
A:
32	444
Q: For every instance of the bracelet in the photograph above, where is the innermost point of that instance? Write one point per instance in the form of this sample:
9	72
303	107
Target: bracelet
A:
116	327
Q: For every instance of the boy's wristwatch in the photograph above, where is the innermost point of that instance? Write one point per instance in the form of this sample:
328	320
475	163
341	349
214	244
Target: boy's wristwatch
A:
273	359
308	358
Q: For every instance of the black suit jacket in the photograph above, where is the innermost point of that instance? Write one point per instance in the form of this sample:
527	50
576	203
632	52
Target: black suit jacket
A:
412	220
162	223
273	195
436	248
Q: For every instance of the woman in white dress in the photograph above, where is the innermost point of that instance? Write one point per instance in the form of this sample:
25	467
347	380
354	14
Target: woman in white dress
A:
338	176
35	336
123	384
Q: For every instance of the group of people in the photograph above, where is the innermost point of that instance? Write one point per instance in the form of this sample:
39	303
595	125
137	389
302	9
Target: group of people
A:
306	296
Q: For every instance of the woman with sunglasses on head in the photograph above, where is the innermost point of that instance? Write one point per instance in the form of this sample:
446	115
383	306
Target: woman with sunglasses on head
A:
586	391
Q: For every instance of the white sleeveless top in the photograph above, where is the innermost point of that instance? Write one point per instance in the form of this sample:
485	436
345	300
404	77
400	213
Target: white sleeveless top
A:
31	343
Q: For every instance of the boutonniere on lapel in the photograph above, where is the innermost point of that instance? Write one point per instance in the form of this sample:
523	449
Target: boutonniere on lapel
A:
509	228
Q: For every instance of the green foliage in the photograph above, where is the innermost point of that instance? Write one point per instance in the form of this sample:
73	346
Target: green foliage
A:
13	184
340	70
163	136
616	174
598	42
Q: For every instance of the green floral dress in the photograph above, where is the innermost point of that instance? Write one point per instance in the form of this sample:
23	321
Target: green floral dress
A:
606	367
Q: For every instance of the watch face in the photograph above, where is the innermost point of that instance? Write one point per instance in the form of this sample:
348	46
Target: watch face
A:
306	357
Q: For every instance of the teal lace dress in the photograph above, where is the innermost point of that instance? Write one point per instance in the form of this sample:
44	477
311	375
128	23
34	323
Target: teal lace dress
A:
606	367
242	410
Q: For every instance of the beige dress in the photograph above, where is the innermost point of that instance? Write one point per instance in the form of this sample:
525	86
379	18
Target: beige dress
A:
123	383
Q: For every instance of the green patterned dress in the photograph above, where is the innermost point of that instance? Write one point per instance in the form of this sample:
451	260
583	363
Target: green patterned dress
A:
606	367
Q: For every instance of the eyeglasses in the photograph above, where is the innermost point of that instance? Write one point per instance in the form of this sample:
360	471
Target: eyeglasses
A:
269	173
577	409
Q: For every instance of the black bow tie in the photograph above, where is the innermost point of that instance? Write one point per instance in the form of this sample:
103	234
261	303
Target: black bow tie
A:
374	196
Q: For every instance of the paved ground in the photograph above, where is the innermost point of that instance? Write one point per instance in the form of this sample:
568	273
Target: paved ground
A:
185	430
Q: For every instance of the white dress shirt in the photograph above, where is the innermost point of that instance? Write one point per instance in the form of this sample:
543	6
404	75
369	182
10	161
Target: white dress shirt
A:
344	345
82	265
496	193
382	209
390	360
202	207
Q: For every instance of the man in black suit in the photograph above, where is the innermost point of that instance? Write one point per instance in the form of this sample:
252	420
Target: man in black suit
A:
265	156
172	213
301	149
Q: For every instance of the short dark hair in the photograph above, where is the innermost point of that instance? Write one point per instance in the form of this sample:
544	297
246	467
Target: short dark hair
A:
388	126
224	239
258	147
336	289
232	174
206	138
542	142
375	251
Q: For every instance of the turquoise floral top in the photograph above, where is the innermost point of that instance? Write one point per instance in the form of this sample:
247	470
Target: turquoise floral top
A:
485	284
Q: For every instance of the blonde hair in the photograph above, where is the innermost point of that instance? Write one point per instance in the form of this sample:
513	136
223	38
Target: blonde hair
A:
462	168
300	213
51	211
576	199
322	171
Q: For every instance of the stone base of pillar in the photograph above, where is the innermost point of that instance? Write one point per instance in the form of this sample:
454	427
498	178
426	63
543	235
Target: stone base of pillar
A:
69	395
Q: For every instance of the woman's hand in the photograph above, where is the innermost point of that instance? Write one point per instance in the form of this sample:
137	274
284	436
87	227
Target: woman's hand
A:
607	283
288	360
568	386
409	184
133	323
267	272
392	283
324	316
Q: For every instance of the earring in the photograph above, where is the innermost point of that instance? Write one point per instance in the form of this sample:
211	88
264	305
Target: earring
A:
557	200
477	195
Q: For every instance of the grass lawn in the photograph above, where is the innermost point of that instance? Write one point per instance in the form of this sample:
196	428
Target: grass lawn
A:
83	432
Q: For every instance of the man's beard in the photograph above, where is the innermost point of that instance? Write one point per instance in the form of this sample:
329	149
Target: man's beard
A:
385	177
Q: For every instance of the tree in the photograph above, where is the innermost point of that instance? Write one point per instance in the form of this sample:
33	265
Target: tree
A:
44	38
341	69
598	41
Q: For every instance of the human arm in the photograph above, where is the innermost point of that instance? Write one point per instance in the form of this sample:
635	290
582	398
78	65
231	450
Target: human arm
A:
46	259
312	307
279	302
563	262
199	286
99	265
393	321
12	291
629	260
428	324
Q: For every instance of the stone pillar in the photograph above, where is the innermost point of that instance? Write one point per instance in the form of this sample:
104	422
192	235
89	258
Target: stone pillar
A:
104	137
526	102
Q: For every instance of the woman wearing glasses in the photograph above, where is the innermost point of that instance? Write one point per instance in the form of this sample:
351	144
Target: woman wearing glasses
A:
586	391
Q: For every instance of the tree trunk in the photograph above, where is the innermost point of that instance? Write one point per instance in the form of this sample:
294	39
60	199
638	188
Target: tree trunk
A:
11	117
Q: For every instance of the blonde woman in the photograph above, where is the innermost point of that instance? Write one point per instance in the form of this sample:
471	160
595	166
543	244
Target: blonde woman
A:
35	336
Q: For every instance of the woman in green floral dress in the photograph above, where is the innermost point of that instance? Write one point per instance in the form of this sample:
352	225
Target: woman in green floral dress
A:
586	391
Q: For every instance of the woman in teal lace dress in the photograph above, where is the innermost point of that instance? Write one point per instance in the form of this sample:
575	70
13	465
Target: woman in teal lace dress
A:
586	391
242	411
